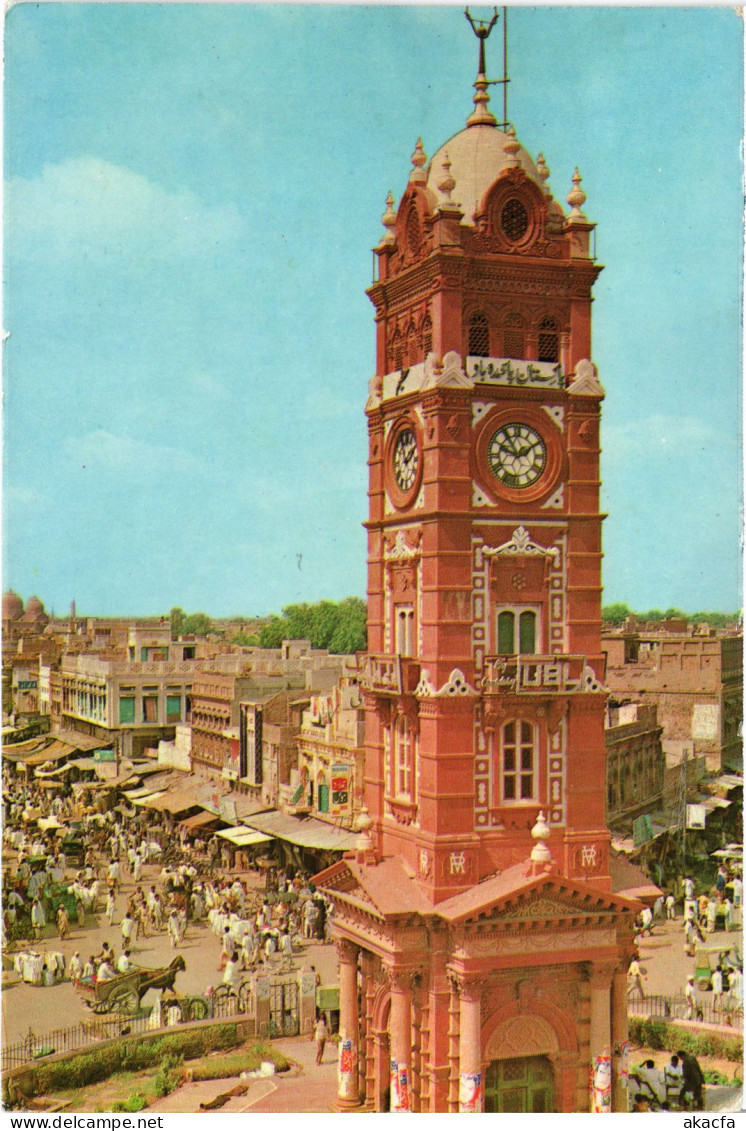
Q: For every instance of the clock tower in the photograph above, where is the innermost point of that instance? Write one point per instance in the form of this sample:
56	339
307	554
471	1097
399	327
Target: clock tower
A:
483	682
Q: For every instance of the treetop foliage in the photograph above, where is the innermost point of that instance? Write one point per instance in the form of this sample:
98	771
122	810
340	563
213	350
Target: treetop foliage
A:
617	614
337	626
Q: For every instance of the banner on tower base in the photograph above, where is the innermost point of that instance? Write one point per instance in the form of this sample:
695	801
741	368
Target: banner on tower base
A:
601	1083
470	1092
399	1082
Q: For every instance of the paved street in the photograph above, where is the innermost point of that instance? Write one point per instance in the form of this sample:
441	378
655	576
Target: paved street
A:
662	955
45	1008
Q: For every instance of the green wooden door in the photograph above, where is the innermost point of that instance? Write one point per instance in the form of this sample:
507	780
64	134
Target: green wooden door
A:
323	798
522	1085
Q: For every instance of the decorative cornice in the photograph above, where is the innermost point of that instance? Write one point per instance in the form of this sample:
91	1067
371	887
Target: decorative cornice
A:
521	544
455	685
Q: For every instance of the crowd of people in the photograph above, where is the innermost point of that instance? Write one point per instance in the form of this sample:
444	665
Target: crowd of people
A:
47	890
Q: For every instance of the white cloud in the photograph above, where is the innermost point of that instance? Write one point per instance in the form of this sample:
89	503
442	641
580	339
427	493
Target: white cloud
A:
88	208
24	496
104	451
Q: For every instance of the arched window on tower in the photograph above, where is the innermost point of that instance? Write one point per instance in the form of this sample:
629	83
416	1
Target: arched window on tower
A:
413	346
514	338
518	761
548	340
397	351
427	335
479	335
517	631
403	760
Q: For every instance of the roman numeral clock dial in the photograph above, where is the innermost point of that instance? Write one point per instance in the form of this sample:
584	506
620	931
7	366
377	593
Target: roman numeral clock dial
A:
406	460
517	455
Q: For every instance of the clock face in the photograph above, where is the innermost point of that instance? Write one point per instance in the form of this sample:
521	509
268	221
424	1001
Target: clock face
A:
406	459
517	455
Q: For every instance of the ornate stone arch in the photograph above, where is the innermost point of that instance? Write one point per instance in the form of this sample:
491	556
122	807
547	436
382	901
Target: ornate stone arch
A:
523	1016
521	1036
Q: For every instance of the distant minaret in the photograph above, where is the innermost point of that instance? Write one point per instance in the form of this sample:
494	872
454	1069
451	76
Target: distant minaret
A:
72	616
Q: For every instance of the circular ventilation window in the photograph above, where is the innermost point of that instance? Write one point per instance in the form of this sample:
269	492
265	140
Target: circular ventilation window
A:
514	220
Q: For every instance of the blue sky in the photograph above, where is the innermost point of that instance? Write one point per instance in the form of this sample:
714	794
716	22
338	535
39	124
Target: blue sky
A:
192	194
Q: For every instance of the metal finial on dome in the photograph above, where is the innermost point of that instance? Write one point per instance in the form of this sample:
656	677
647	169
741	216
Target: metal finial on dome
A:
481	116
511	147
576	198
419	159
389	222
447	184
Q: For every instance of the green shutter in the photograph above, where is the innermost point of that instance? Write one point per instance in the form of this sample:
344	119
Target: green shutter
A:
127	709
527	633
173	708
505	634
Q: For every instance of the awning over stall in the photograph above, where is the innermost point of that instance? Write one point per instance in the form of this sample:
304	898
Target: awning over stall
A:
199	820
243	837
306	832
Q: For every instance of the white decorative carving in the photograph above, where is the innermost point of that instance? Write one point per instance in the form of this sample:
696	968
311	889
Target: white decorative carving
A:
556	501
478	409
589	681
387	425
588	856
449	375
388	506
586	380
457	863
526	1035
557	414
424	689
521	543
375	389
399	549
456	685
420	501
478	498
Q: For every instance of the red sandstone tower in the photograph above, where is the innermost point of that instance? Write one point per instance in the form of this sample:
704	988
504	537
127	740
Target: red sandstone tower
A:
484	678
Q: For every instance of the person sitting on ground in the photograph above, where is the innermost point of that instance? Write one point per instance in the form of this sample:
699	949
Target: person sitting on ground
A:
673	1077
651	1082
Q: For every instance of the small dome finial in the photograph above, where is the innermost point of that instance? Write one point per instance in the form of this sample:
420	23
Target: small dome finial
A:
419	159
447	184
389	222
576	198
511	147
541	832
543	170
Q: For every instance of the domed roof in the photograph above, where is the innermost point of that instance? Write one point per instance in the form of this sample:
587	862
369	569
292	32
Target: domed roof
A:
478	157
12	605
34	609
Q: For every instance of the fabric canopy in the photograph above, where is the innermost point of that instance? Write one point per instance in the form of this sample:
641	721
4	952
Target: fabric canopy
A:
243	837
199	820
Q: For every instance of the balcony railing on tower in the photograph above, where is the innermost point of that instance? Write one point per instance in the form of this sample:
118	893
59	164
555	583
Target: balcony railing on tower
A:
388	674
529	675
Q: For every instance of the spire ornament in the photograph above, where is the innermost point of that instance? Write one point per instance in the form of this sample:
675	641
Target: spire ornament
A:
481	116
447	184
419	159
544	172
576	198
389	222
511	148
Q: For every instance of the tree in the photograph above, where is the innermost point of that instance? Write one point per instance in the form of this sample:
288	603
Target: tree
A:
615	614
197	624
178	616
273	634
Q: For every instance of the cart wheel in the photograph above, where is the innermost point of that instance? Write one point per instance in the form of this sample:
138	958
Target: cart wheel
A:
197	1010
244	999
127	1003
100	1006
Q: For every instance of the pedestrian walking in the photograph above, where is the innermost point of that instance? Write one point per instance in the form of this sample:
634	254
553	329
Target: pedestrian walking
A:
320	1035
717	987
75	967
690	995
126	927
110	906
670	906
173	928
634	979
63	921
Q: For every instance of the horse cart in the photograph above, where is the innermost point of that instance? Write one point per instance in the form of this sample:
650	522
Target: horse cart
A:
123	993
